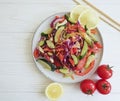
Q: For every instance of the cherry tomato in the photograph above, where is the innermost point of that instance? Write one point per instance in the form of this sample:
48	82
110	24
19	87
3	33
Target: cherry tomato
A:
88	86
104	71
103	86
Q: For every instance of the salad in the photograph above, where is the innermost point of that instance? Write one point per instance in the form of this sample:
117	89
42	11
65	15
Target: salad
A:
67	47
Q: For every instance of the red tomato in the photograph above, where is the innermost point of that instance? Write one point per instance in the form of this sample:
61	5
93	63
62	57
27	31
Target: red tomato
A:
88	86
104	71
103	86
36	53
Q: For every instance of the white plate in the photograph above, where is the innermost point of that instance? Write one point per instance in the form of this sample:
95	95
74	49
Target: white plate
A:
56	76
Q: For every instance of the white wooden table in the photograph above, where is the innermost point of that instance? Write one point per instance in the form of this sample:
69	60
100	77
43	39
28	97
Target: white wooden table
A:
20	80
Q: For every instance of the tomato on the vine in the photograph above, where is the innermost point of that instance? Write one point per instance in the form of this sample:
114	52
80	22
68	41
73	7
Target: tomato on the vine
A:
88	86
103	86
104	71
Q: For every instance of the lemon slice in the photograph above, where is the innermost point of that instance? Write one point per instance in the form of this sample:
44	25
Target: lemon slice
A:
76	11
53	91
89	18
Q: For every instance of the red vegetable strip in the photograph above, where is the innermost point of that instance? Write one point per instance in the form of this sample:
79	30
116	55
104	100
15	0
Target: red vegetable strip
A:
86	70
93	31
36	53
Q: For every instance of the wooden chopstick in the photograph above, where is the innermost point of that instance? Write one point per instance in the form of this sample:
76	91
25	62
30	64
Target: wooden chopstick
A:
108	19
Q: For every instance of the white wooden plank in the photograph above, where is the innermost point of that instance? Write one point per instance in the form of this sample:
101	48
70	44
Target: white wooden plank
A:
37	1
22	97
27	17
15	47
66	97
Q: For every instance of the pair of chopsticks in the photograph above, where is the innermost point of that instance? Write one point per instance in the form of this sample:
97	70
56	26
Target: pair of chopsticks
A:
104	17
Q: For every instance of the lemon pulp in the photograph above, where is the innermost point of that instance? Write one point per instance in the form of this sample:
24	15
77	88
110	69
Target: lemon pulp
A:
54	91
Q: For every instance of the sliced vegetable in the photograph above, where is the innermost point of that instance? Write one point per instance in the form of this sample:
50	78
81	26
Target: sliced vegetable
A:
88	40
41	43
44	64
44	34
64	70
75	59
81	64
86	37
60	24
84	49
85	71
36	53
50	44
58	33
92	36
48	31
40	49
51	66
67	16
89	60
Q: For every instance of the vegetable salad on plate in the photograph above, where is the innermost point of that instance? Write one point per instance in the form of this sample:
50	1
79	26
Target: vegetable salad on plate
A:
69	47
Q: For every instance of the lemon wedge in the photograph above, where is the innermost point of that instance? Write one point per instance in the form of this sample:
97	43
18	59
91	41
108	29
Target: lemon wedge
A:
89	18
54	91
76	12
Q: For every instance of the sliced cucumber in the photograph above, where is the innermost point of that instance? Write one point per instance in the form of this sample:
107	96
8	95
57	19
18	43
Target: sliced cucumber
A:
47	64
44	64
75	59
58	33
88	40
64	70
44	34
92	36
50	44
41	43
48	31
84	49
69	19
60	24
89	60
40	49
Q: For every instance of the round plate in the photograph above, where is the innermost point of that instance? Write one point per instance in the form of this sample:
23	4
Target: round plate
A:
57	76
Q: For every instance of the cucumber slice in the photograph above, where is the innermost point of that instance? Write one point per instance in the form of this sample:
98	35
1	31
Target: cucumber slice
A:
40	49
69	19
84	49
75	59
60	24
41	43
64	70
44	64
58	33
50	44
92	36
48	31
47	64
89	60
88	40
